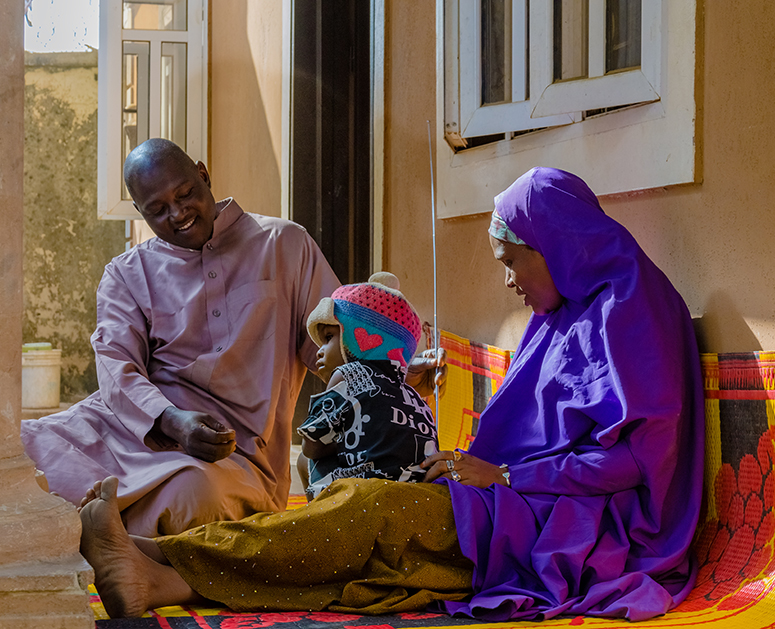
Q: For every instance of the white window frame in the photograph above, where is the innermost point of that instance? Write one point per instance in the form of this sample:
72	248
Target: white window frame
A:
110	205
465	115
635	148
599	90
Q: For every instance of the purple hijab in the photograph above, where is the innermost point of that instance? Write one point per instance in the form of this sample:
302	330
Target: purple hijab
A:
601	421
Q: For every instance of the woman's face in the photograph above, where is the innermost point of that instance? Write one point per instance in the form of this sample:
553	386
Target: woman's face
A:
527	273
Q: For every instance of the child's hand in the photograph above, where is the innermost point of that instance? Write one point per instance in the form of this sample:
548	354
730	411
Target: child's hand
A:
427	370
315	450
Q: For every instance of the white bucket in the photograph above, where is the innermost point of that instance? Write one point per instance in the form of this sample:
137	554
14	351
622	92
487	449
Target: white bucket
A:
40	376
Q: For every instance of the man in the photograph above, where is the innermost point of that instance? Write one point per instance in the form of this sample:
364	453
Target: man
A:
201	348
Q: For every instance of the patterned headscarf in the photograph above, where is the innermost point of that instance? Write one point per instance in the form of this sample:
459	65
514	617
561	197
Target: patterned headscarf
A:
500	231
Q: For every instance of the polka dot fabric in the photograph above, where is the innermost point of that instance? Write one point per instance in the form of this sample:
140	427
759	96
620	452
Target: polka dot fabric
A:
366	546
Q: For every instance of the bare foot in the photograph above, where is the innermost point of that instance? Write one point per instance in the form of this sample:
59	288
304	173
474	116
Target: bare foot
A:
91	494
120	568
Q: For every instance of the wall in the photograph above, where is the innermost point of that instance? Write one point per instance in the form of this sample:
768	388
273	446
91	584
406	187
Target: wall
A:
471	298
11	165
65	246
246	103
713	239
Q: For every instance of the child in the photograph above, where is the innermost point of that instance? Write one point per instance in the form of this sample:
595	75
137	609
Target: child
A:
368	423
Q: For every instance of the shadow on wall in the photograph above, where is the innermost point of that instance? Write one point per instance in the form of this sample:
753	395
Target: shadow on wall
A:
246	61
722	328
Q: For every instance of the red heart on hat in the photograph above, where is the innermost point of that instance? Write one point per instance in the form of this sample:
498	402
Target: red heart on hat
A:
397	354
367	341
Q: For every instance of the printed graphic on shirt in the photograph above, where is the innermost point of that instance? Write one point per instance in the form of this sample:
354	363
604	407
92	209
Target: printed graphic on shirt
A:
382	427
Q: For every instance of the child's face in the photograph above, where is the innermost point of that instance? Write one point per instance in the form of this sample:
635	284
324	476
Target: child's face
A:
330	353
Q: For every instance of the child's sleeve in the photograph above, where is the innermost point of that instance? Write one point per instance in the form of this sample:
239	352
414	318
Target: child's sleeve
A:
326	418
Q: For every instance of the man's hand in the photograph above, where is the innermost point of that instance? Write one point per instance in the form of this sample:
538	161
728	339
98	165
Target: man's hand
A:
426	370
198	434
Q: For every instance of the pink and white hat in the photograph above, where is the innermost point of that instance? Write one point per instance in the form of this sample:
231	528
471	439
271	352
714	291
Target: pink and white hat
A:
376	320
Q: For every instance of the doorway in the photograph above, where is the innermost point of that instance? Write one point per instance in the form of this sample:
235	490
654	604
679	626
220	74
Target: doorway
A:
331	131
331	141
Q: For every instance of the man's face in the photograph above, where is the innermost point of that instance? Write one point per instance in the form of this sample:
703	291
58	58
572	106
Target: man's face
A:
177	204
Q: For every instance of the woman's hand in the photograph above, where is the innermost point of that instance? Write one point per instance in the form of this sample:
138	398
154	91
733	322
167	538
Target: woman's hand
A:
427	370
463	468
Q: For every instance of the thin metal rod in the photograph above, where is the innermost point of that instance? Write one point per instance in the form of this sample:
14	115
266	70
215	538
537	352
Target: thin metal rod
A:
435	294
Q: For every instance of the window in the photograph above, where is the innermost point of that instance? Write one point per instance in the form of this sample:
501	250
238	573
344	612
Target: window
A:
487	71
152	63
540	83
513	65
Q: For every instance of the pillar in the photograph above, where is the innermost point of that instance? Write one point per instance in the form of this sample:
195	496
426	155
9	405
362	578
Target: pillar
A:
43	578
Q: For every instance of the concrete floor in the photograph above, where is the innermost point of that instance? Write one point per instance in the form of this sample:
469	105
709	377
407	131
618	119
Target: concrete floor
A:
296	486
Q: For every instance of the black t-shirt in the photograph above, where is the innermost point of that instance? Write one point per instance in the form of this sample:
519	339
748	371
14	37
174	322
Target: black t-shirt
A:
382	427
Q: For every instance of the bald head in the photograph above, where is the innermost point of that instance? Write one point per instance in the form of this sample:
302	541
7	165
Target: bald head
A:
171	192
151	155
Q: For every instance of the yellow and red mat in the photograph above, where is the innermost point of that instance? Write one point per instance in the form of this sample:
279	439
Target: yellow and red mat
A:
735	587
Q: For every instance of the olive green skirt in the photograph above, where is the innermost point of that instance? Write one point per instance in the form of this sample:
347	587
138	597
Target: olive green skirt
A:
365	546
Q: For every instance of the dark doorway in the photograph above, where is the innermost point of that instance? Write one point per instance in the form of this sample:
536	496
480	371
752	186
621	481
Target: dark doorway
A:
330	190
331	131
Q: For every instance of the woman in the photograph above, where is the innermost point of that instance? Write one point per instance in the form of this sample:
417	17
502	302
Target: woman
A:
579	495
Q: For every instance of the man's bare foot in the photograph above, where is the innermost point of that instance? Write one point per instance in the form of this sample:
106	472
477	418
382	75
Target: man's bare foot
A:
91	494
128	580
120	569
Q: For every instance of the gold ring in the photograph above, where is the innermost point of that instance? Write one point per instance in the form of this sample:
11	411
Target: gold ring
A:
455	476
458	455
450	465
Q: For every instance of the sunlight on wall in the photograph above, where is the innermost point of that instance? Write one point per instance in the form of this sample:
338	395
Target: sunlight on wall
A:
265	43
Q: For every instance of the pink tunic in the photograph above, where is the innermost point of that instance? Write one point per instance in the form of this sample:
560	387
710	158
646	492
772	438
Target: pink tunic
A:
221	331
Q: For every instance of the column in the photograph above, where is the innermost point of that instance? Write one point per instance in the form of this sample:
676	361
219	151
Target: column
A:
43	578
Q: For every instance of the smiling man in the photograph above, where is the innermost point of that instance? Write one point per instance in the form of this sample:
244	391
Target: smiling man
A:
201	348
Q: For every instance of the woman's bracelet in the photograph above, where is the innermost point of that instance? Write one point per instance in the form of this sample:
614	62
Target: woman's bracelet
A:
506	474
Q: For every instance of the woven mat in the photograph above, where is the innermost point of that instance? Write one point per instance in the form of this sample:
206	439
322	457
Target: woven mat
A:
736	584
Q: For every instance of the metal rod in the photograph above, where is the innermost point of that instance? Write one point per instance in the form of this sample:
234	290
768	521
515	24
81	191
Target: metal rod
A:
435	295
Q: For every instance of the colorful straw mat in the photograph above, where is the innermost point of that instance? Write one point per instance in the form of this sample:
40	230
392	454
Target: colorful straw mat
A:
736	583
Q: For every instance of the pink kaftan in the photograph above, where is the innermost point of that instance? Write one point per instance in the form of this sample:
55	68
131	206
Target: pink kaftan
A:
221	331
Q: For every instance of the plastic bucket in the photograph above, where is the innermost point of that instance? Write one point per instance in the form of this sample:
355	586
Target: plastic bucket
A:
41	370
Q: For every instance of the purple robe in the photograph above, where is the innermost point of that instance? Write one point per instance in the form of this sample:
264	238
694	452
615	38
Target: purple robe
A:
601	421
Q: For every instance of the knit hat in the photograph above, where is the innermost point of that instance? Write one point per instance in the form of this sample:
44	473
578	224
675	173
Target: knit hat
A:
376	320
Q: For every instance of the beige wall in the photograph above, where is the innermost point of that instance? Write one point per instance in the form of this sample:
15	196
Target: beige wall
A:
714	239
471	298
11	214
246	102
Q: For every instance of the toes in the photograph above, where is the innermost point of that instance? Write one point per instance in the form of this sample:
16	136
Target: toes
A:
109	489
90	495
